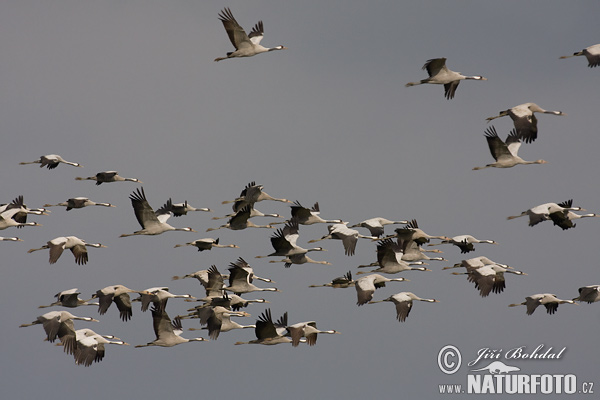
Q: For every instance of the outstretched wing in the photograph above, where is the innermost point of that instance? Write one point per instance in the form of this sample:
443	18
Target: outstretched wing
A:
236	33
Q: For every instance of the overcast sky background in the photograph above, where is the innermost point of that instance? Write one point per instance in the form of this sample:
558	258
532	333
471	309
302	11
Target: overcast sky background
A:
131	86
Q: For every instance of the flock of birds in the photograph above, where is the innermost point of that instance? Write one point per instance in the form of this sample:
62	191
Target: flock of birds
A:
405	250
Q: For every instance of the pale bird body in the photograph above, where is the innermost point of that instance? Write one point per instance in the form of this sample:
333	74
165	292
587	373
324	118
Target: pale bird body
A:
505	153
77	246
550	301
404	303
78	202
51	161
246	45
441	75
107	177
151	224
592	53
524	119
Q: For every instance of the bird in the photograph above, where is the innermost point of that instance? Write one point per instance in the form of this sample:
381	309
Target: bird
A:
589	294
550	301
375	225
389	259
218	319
168	333
240	221
211	279
348	236
207	244
365	286
592	53
284	243
488	278
159	296
151	224
77	246
524	119
227	300
118	294
241	276
18	211
16	216
542	212
476	262
284	240
306	330
565	220
440	74
10	239
404	303
251	194
179	209
310	216
106	177
246	45
90	348
301	259
69	298
505	153
78	202
464	242
412	232
412	252
266	331
339	282
70	339
51	161
57	323
254	213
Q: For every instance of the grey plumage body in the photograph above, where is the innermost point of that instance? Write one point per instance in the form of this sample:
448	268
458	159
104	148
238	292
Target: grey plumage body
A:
505	153
306	330
349	237
218	319
246	45
70	298
206	244
489	278
440	74
57	323
404	303
376	225
158	296
389	259
146	217
266	331
464	242
77	246
310	216
524	119
589	294
241	276
592	53
118	294
51	161
550	301
339	282
240	221
78	202
365	286
167	332
542	212
107	177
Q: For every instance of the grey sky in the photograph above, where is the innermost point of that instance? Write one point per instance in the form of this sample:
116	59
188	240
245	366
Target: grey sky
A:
131	86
